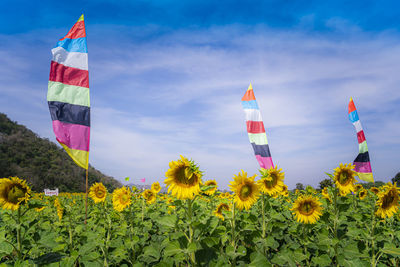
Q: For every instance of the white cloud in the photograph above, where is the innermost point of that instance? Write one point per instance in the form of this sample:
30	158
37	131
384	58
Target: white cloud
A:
179	93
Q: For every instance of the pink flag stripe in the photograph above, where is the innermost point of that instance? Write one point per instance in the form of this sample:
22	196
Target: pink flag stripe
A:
255	127
265	162
74	136
363	166
68	75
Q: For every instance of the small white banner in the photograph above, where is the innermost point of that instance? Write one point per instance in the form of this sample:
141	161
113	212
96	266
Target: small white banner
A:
48	192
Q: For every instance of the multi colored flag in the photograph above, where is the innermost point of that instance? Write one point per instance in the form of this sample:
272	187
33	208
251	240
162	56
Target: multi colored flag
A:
362	162
68	94
256	130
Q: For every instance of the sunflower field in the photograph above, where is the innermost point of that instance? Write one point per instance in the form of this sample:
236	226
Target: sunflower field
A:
258	223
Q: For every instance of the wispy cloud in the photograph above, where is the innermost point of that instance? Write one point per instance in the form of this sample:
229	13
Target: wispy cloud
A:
179	93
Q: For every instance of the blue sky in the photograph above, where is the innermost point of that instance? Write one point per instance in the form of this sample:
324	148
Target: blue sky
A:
166	79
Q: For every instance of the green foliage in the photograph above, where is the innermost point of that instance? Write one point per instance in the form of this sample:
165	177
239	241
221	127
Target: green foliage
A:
41	162
396	178
325	183
299	186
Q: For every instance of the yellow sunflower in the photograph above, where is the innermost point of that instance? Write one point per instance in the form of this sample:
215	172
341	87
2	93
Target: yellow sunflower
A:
60	209
374	190
285	191
325	194
245	189
98	192
121	198
211	191
183	178
156	187
149	196
358	187
271	181
388	202
344	178
218	211
307	209
362	194
13	192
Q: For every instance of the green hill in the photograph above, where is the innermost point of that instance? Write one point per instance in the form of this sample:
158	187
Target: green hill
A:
41	162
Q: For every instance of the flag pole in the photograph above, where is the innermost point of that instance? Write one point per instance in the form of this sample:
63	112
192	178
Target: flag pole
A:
86	199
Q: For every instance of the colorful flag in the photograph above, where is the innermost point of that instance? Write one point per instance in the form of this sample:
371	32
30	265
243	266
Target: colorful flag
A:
362	163
68	94
255	129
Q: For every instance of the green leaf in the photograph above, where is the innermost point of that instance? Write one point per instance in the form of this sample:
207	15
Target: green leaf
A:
259	260
322	260
168	221
172	248
391	251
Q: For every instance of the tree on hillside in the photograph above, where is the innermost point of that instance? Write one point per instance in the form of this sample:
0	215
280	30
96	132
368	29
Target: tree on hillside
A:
396	178
325	183
299	186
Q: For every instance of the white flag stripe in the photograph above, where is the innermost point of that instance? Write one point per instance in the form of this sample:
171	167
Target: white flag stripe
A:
70	59
253	114
358	126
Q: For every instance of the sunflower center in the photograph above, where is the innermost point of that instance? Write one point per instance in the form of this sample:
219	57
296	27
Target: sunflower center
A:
388	200
344	178
185	176
99	193
306	208
15	194
124	198
245	191
271	181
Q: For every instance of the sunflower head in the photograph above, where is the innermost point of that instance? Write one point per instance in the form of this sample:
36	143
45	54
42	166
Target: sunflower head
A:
60	208
220	208
344	178
374	190
325	194
212	190
183	178
271	181
362	193
307	209
285	191
358	187
149	196
13	192
121	198
388	202
98	192
245	190
156	187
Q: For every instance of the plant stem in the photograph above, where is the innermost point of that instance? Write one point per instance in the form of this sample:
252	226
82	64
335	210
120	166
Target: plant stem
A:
233	226
263	215
189	213
335	224
373	259
19	244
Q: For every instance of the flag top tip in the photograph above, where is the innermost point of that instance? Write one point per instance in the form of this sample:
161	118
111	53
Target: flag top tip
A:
81	18
351	99
250	87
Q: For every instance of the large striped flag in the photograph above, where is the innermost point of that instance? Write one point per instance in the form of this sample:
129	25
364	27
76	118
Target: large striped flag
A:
68	94
256	130
362	163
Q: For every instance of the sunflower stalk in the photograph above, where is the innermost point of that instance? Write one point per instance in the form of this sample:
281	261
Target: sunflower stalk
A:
190	215
19	241
335	224
263	215
374	259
